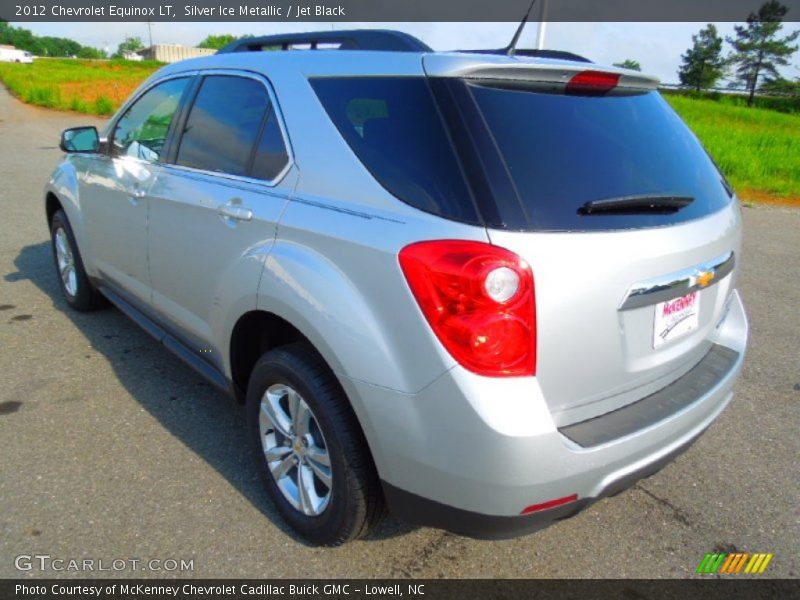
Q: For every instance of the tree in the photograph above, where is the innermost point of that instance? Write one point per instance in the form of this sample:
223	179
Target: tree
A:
128	46
89	52
779	85
217	41
55	46
629	64
703	63
757	48
23	39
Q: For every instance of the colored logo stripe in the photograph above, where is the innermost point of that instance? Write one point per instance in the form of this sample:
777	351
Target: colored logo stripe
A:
711	563
733	563
758	563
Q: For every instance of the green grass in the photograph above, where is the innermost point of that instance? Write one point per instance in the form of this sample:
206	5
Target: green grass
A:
757	149
89	86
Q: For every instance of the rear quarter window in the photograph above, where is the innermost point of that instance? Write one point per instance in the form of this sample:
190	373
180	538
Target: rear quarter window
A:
394	128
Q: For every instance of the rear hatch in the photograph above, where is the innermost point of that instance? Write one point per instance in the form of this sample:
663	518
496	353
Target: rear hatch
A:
628	226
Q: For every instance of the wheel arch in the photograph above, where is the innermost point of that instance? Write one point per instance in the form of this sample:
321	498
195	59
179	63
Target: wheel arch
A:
61	193
259	331
51	205
253	334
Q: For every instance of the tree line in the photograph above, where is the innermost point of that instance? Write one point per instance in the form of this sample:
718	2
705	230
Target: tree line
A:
757	50
23	39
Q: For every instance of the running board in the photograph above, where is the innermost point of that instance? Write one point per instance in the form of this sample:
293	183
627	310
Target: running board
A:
181	350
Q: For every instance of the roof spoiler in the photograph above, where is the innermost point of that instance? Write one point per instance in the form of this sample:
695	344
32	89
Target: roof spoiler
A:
555	54
540	73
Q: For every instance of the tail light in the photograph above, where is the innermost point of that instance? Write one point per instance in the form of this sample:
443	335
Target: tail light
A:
592	83
479	301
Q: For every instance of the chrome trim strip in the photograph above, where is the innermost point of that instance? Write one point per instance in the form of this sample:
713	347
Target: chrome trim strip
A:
346	211
238	182
677	284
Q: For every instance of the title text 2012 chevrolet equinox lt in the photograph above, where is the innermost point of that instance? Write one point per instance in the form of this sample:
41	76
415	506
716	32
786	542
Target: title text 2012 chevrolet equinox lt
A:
484	290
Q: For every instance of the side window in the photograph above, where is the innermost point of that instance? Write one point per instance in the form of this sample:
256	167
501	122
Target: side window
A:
394	127
142	130
271	155
223	125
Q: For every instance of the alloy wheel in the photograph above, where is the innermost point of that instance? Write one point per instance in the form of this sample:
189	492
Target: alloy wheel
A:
295	450
66	262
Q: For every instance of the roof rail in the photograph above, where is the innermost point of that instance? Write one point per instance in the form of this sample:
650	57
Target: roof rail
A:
556	54
354	39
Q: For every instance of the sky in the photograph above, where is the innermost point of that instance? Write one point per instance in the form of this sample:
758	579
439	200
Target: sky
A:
657	46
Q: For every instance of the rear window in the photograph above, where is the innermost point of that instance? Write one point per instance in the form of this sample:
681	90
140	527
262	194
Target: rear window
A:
563	151
394	127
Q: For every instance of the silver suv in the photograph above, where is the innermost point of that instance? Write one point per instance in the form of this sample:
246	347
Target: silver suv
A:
482	290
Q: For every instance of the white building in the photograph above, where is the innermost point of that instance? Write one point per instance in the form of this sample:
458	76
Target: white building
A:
170	53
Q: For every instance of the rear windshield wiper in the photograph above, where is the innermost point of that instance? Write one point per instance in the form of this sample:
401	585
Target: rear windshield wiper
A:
632	205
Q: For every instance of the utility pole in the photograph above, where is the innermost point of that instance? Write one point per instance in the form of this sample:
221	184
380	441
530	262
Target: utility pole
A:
542	26
150	32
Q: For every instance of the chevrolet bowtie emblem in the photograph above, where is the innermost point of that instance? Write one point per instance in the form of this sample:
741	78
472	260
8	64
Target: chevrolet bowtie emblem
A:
704	278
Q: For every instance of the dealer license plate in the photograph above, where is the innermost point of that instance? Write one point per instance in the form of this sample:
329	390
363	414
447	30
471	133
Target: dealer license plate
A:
675	318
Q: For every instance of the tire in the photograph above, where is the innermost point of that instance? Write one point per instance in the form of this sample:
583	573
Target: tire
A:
353	502
75	286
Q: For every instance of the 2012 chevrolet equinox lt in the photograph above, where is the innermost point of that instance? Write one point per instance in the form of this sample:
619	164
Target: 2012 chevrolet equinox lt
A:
484	290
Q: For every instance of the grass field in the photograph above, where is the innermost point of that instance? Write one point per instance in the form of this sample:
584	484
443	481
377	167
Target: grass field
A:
758	149
87	86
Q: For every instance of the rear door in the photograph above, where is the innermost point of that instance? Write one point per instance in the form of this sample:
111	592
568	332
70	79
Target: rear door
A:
214	208
629	228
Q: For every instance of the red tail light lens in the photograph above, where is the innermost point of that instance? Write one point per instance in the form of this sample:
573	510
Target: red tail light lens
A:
592	83
479	301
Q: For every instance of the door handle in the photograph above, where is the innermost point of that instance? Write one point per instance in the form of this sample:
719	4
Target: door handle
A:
237	213
135	195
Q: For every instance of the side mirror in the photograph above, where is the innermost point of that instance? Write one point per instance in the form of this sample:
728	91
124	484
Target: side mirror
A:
80	139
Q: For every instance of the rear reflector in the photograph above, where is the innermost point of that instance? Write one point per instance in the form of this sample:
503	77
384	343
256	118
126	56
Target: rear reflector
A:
593	83
549	504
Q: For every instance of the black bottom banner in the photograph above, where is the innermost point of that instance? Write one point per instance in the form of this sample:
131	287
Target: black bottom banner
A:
357	589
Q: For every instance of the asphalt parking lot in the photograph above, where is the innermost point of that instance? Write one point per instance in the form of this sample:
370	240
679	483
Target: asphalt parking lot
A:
111	448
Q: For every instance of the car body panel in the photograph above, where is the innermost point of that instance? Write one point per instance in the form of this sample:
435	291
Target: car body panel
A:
515	455
334	273
114	205
581	280
203	265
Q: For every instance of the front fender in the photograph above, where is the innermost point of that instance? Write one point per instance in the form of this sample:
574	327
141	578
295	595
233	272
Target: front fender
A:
65	186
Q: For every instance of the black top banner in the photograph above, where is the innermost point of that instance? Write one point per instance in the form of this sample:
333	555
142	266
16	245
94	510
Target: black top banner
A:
384	10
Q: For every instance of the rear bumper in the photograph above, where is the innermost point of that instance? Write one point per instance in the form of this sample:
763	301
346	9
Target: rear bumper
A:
429	513
469	453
